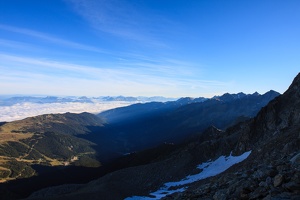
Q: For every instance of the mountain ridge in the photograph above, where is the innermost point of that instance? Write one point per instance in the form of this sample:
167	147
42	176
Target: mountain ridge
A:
271	171
109	144
142	124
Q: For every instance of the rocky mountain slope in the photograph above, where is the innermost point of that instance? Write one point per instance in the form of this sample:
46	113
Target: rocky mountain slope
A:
272	171
269	144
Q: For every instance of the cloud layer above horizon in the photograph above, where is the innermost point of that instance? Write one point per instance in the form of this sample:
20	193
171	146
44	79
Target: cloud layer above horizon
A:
141	76
23	110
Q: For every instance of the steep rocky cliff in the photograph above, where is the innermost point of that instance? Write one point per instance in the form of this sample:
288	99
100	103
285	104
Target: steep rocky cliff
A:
272	171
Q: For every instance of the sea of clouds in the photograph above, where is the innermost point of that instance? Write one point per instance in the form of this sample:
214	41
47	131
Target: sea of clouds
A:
22	110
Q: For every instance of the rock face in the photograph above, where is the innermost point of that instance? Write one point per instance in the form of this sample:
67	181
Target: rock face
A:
272	171
280	115
278	179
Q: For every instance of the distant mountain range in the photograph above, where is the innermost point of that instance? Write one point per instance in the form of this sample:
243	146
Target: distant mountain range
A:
141	126
137	99
11	100
8	101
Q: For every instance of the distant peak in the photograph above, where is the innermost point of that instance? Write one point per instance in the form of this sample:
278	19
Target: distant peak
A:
226	94
185	98
230	97
272	92
241	93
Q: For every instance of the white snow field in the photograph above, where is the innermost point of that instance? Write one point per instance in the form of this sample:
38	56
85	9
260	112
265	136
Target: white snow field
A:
209	168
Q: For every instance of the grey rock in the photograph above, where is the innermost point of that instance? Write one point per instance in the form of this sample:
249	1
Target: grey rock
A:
292	186
263	184
278	179
282	196
258	174
269	180
295	160
220	195
259	193
267	197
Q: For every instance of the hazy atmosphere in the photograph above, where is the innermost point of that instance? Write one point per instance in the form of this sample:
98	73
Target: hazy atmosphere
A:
152	47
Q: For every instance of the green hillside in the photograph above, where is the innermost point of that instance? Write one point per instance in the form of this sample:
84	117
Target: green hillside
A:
48	140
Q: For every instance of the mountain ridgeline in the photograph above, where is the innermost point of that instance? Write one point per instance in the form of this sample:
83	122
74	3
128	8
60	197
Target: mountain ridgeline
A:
141	126
56	143
268	146
9	101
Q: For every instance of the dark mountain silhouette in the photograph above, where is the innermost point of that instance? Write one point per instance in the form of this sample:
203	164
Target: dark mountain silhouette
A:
141	126
119	98
140	98
271	171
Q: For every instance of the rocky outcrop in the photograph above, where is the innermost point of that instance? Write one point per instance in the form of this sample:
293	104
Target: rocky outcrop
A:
270	179
272	171
280	115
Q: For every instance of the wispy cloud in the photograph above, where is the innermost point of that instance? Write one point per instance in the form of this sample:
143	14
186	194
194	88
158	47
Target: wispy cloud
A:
131	77
122	19
134	67
16	45
49	38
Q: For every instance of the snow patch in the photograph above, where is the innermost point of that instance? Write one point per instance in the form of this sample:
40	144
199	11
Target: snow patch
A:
209	169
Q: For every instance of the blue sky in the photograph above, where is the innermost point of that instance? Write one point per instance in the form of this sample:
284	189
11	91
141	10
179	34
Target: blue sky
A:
170	48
